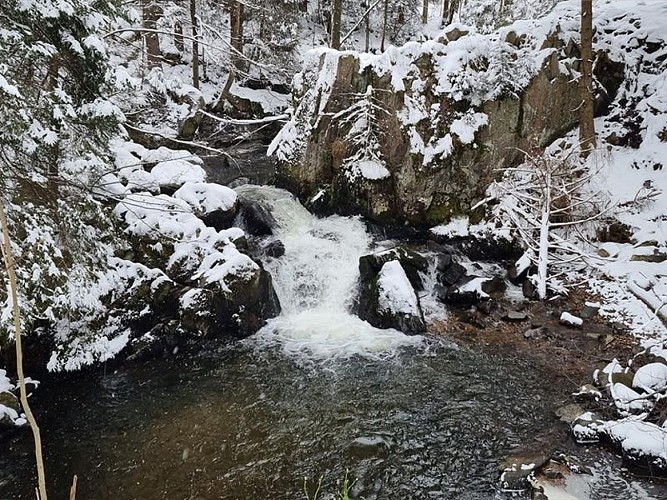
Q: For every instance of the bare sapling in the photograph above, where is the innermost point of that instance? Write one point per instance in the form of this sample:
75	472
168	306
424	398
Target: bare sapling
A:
13	290
546	201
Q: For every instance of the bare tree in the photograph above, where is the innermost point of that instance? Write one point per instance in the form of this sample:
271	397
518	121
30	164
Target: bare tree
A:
425	11
587	109
542	200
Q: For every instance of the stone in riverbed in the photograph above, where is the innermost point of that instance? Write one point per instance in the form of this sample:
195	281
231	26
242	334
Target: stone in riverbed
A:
274	248
514	316
387	298
257	218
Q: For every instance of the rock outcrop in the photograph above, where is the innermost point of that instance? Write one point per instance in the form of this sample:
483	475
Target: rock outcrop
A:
415	134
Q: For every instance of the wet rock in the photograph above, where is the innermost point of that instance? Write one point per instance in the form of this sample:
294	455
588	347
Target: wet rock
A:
587	428
529	290
495	286
467	292
366	447
452	275
590	310
256	218
514	316
275	248
536	333
387	298
239	307
444	262
412	263
569	413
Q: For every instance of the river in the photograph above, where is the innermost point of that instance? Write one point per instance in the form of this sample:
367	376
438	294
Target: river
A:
315	393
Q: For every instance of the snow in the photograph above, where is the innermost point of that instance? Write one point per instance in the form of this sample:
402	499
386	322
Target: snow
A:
466	126
651	377
5	383
177	173
628	400
570	319
457	227
640	439
396	294
370	169
206	198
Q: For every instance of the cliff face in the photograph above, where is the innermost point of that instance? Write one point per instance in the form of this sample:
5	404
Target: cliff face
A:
417	133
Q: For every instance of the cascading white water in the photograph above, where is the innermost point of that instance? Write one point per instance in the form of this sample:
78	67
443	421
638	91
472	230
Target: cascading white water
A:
316	281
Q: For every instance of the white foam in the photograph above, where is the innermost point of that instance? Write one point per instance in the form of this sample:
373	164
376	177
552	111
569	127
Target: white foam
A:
316	282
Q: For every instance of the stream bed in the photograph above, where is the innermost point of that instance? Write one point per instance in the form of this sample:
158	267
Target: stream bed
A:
238	423
317	393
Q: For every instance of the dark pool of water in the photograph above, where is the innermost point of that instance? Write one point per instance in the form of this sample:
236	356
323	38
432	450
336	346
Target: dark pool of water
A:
247	424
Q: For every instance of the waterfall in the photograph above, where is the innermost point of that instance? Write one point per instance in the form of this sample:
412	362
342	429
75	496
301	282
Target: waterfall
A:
316	282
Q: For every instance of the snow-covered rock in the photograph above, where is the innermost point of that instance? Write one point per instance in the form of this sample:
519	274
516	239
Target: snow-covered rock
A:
651	377
387	297
214	204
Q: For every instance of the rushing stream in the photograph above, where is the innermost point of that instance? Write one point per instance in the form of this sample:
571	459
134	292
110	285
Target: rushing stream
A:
315	393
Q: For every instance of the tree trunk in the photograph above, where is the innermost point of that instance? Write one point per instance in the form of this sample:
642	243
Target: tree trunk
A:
335	23
236	23
195	44
587	110
445	12
425	12
368	32
384	24
151	14
179	41
453	7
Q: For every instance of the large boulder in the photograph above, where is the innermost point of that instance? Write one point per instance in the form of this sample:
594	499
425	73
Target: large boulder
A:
387	299
256	218
238	307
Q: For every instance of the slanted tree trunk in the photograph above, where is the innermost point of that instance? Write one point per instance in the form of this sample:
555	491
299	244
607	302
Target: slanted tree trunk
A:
336	16
195	44
587	109
13	290
425	12
151	14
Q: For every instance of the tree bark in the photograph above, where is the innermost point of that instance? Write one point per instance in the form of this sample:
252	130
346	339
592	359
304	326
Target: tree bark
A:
336	16
13	285
236	23
425	11
151	14
587	109
384	24
179	41
195	44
